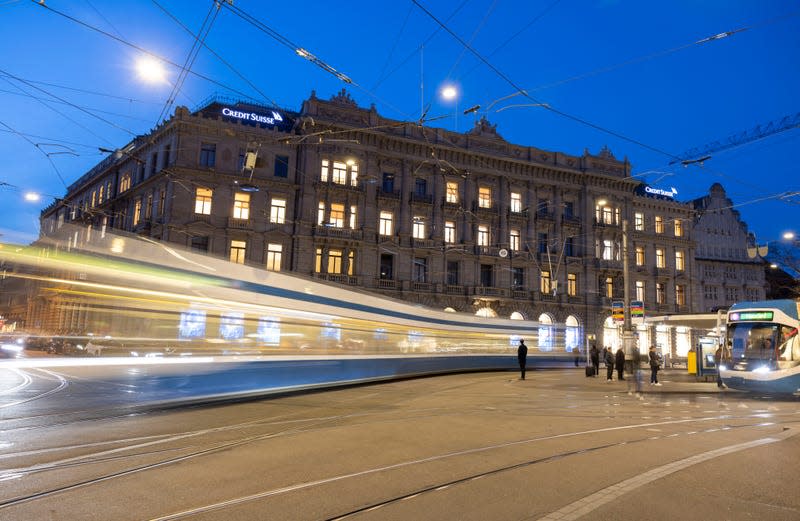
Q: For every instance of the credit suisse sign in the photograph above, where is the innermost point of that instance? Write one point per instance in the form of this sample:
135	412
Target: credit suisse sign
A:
270	119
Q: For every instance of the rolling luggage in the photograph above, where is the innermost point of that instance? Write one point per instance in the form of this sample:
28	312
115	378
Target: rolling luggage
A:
589	370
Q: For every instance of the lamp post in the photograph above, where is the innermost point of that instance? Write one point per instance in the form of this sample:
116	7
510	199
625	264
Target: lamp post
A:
628	338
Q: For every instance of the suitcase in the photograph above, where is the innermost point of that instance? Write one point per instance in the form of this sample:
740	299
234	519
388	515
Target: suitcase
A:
589	370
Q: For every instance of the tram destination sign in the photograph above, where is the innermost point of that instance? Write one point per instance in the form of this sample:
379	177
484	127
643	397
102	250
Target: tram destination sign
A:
749	316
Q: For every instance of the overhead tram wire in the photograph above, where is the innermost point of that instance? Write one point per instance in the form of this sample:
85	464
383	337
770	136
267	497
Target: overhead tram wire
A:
197	44
94	93
140	49
101	111
217	55
544	105
37	147
394	45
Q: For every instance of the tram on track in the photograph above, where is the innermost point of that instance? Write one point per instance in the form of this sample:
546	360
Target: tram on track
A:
764	347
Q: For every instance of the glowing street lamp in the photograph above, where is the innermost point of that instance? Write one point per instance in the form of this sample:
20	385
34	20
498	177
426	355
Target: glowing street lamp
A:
450	93
151	70
32	197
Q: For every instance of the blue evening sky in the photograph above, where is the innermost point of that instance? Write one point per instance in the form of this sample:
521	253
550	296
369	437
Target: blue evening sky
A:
608	68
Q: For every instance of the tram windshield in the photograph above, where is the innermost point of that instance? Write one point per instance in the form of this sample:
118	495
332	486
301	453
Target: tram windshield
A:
761	341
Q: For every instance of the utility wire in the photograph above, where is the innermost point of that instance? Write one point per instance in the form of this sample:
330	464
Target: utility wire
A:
37	147
138	48
527	95
87	108
218	56
94	93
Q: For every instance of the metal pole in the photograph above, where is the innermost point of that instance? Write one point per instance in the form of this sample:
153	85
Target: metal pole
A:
625	278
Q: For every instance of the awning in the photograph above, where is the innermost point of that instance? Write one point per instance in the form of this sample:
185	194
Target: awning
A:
700	321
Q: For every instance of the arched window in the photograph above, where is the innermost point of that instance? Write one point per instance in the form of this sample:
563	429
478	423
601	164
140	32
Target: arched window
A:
572	341
449	310
516	316
545	332
486	312
611	337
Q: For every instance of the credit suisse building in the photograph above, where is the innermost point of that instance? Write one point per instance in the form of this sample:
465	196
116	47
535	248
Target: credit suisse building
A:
466	221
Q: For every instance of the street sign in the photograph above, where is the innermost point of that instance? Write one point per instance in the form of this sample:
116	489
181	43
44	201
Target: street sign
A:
637	312
618	311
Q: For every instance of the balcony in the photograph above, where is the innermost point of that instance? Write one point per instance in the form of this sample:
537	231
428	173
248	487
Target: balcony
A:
451	289
338	278
386	284
547	297
426	287
240	224
520	294
343	186
388	195
605	224
422	243
487	250
340	233
421	198
488	291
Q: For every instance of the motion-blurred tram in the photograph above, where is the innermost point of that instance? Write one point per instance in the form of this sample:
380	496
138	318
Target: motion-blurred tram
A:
764	347
142	298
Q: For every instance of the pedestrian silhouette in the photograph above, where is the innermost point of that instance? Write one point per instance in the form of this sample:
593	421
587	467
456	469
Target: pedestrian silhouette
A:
620	364
522	355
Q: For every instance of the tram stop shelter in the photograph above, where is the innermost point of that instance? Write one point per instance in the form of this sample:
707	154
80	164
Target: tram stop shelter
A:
704	333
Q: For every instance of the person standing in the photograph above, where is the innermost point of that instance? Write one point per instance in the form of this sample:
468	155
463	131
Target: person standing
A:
653	366
620	364
609	365
522	357
717	362
594	354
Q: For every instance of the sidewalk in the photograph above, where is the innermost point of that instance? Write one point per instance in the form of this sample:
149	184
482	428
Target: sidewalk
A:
671	380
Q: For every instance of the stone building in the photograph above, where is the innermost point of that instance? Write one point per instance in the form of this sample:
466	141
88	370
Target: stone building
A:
466	221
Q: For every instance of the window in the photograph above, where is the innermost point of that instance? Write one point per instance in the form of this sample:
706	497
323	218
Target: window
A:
640	290
661	261
517	278
137	211
609	290
154	163
167	153
516	202
452	273
661	297
451	195
94	198
572	284
208	154
277	211
680	295
124	183
679	260
281	166
242	157
335	261
101	194
483	235
324	171
336	218
274	256
387	186
640	255
238	249
351	263
659	221
542	243
608	249
199	243
162	199
569	209
569	247
320	213
450	232
339	173
241	206
420	273
148	207
202	201
487	275
678	224
484	197
608	216
545	286
420	187
318	261
638	221
385	226
387	264
418	229
353	173
353	213
514	240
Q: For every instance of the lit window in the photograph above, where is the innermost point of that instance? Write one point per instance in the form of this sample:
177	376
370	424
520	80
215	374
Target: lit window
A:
351	263
418	230
513	239
101	195
335	261
452	192
148	207
680	295
274	256
94	198
659	221
241	206
353	210
640	290
354	174
572	284
609	287
202	201
124	183
238	249
661	261
516	202
339	173
679	260
318	261
450	232
386	224
277	211
640	255
608	249
678	228
320	213
483	235
485	197
544	282
638	221
660	293
608	216
137	211
337	215
323	176
208	154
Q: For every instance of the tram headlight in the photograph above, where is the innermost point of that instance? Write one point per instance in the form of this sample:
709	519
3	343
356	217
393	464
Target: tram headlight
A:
723	368
761	369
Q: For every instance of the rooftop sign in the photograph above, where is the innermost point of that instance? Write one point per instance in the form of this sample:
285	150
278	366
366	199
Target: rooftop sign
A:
671	193
269	119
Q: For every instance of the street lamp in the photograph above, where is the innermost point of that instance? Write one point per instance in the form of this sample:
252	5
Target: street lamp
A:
450	93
